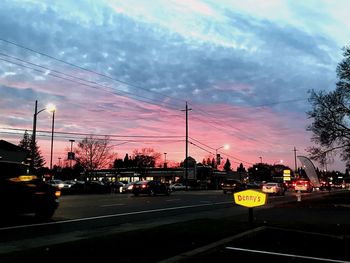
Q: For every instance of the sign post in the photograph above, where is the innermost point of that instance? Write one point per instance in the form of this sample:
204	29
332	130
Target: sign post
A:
250	199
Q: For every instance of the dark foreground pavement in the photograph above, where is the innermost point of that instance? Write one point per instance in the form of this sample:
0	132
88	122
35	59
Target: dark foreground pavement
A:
314	230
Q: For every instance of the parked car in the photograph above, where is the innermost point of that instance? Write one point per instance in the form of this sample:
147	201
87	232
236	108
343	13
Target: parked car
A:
57	183
254	185
127	188
232	185
90	187
274	188
67	186
177	186
22	192
116	187
150	188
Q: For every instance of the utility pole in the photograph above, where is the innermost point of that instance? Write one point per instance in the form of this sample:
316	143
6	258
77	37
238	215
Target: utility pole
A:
295	160
186	161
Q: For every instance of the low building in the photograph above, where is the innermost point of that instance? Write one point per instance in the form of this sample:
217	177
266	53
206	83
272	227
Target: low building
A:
12	152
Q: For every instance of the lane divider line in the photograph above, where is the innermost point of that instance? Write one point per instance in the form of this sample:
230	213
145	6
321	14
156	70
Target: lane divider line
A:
113	215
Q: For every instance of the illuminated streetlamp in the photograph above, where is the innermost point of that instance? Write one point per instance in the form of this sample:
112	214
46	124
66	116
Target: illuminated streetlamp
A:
226	147
49	108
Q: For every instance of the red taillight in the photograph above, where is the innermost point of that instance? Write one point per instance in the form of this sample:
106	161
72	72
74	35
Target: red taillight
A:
144	186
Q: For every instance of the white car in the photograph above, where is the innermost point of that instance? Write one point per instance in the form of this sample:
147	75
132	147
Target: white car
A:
177	186
57	183
274	188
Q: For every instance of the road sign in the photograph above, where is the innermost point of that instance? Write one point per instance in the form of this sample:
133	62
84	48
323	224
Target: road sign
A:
250	198
286	175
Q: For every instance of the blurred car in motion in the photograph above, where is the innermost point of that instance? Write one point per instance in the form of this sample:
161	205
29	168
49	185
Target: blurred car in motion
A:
232	185
22	192
151	187
177	186
274	188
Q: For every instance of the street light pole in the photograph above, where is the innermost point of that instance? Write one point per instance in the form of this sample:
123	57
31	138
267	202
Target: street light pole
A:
33	142
260	159
225	146
52	132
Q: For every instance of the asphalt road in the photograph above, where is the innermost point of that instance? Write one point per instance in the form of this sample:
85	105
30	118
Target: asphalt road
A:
88	216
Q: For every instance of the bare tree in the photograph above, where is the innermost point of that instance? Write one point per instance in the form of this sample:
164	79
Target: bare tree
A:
146	157
95	153
331	113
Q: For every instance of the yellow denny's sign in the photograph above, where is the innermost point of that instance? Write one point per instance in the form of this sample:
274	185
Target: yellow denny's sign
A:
249	198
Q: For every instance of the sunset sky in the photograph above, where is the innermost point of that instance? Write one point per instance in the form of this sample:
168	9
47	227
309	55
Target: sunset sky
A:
126	69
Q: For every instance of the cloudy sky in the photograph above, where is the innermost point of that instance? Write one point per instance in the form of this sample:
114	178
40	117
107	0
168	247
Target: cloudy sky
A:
127	68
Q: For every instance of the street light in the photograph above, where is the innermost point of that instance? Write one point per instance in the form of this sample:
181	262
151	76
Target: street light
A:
226	147
52	108
36	112
260	159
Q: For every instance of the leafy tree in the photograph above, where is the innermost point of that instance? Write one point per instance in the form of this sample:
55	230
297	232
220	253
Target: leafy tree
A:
330	113
38	160
227	166
213	163
118	163
127	161
241	168
260	172
94	153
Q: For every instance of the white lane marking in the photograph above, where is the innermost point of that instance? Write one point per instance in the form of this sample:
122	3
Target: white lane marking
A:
171	200
286	255
113	215
112	205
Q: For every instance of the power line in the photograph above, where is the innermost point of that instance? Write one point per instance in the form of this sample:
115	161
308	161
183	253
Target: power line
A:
93	85
85	69
99	135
